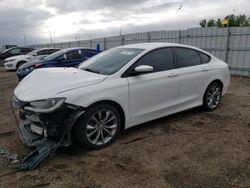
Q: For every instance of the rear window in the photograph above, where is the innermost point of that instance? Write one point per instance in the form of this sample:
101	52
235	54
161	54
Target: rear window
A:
204	58
187	57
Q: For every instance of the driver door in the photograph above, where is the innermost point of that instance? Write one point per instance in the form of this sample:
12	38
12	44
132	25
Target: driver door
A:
155	94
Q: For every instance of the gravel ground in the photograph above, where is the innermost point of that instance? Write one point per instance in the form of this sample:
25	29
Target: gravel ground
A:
189	149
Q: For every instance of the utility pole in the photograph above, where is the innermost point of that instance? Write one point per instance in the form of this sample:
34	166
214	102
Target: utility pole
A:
24	39
120	31
54	38
50	37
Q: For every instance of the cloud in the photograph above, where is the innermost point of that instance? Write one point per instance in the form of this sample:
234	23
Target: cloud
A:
97	18
16	20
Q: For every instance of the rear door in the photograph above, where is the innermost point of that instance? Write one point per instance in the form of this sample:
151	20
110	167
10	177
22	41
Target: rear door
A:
194	76
152	95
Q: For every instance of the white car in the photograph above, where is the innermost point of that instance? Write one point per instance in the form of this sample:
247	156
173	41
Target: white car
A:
115	90
14	62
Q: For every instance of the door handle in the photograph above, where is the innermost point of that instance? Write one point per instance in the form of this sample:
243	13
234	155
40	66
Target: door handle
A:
172	75
204	70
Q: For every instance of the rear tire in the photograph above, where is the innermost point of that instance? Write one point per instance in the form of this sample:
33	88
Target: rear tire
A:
98	127
212	96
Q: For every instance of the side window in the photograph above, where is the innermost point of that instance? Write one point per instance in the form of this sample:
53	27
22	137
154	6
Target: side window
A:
42	52
160	60
204	58
74	55
187	57
26	50
15	51
51	51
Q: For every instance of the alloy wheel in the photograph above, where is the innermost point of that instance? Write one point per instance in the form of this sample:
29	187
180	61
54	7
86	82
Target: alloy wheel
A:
213	96
101	127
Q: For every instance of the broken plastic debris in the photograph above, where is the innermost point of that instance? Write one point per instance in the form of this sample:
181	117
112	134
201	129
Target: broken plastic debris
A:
12	158
33	159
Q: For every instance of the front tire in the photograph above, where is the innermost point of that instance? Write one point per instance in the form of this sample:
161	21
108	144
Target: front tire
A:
212	96
98	127
19	64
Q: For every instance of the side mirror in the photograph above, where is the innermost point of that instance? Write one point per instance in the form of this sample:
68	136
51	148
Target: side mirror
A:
141	70
144	69
35	54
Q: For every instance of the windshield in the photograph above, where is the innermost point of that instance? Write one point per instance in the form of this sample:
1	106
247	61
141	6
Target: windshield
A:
54	55
7	50
110	61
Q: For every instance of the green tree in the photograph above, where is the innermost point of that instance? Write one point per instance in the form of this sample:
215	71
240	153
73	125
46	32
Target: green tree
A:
243	20
218	23
211	23
233	21
203	23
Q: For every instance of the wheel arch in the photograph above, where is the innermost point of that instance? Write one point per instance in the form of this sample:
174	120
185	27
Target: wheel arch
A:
18	63
215	80
219	81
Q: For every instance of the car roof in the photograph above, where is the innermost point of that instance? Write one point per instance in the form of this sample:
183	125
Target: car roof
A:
48	49
78	48
153	45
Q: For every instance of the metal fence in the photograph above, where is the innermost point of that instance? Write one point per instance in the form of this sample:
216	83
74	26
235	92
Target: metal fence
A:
229	44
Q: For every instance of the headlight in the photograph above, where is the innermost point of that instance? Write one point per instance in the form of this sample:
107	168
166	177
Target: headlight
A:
45	106
10	60
27	69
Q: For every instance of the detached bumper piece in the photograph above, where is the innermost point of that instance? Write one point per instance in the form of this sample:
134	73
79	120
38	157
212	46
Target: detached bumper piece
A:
46	131
45	148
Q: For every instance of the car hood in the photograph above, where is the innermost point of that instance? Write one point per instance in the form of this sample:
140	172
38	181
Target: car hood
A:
17	57
48	82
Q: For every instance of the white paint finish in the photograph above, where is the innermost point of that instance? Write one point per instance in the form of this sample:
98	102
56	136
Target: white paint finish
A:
194	81
142	97
48	82
151	93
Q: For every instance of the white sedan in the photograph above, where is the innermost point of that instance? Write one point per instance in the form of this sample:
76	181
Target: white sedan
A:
14	62
117	89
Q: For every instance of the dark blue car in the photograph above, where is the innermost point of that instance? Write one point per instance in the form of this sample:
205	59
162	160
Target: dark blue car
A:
69	57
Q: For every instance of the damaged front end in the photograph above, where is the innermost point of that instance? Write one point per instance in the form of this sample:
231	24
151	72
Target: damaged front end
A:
45	124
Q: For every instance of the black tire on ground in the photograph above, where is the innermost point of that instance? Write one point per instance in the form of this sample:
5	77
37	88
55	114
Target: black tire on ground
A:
88	119
212	96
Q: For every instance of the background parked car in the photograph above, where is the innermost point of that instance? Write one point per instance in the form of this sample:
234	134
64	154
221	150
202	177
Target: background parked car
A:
14	51
69	57
13	63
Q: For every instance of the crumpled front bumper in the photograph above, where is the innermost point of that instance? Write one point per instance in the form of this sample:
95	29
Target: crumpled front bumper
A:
28	137
45	131
56	125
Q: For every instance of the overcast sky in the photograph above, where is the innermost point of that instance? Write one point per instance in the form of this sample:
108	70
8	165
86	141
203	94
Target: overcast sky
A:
66	20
